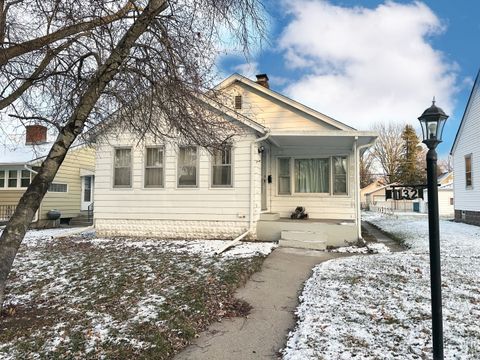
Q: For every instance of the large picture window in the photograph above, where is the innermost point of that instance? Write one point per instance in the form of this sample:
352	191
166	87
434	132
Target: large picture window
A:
339	175
154	167
187	166
312	175
468	171
122	176
284	176
222	167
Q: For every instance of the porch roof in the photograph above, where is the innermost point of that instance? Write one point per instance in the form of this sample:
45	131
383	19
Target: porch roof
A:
330	139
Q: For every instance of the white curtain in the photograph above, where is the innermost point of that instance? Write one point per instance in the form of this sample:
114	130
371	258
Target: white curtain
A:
222	167
154	167
187	166
312	175
340	175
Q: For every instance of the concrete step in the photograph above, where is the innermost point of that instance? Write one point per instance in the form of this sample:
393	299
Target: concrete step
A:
301	244
303	239
270	216
302	235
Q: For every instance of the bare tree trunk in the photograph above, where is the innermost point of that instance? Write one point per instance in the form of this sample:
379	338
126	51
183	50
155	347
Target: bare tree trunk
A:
16	228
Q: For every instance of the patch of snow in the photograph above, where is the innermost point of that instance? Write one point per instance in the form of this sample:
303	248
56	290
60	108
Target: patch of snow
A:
371	248
378	307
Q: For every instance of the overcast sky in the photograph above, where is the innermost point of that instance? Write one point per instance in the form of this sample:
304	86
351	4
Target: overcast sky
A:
371	61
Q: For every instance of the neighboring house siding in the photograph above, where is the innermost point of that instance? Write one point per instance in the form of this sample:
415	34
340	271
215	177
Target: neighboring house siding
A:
69	173
468	199
187	213
445	207
271	113
319	206
10	197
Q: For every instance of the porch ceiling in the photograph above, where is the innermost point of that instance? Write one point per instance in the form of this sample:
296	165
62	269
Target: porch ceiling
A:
332	139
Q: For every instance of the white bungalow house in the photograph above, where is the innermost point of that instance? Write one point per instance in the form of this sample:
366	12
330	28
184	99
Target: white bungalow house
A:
288	156
466	161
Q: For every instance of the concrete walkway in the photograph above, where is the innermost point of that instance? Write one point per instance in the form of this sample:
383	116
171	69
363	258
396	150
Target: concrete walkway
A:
273	293
382	238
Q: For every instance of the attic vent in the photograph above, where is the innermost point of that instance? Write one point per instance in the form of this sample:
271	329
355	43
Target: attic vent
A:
238	102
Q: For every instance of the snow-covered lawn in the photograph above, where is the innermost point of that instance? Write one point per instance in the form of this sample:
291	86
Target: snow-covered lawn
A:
378	306
83	297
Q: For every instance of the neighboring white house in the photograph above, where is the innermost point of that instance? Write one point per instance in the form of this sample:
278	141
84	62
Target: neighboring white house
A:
466	161
71	192
288	155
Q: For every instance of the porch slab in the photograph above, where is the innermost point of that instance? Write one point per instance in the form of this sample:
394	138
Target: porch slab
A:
332	232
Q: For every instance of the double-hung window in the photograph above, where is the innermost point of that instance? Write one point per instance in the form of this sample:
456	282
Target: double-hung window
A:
12	178
312	175
122	176
222	167
187	166
284	176
468	171
25	179
154	167
339	167
2	178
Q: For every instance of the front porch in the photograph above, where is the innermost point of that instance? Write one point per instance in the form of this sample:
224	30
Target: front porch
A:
307	233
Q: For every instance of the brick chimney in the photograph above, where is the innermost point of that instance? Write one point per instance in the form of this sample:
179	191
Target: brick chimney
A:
36	134
262	79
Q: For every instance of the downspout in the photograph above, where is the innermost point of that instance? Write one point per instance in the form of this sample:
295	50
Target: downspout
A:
35	217
357	150
252	195
252	178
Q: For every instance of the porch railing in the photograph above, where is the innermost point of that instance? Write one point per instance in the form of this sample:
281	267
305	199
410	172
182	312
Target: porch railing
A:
6	211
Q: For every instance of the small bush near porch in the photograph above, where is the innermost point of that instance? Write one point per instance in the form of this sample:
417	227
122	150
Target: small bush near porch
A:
118	298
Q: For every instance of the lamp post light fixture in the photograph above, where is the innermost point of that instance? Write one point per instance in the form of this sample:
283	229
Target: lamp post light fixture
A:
432	121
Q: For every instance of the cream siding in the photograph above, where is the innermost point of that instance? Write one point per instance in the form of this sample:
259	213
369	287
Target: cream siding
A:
69	173
318	206
272	113
201	204
467	143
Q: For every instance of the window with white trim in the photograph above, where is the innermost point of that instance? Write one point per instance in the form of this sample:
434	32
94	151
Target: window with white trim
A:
122	177
2	178
468	171
187	166
284	176
154	157
222	167
339	167
25	178
12	178
58	188
312	175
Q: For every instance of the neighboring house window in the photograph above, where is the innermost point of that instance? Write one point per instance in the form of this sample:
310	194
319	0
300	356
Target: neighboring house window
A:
238	102
468	170
122	176
187	166
154	167
284	176
58	188
312	175
339	175
2	178
25	180
12	178
222	167
451	201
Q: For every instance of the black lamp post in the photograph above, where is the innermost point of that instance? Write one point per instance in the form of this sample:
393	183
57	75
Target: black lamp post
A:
433	120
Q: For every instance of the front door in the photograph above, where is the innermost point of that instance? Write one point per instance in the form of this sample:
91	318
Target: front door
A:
264	179
87	192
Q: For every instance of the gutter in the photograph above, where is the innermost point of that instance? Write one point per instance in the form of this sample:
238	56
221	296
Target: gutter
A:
251	193
357	150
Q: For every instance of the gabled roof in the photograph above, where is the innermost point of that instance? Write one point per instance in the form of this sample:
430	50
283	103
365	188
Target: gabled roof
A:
295	104
460	128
